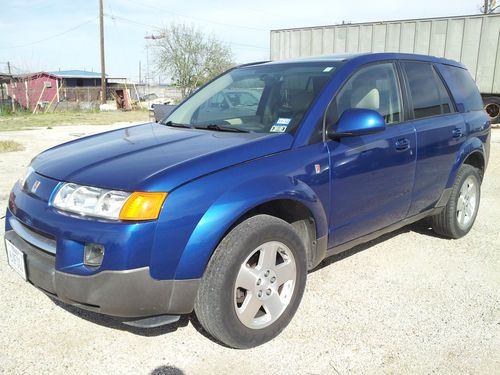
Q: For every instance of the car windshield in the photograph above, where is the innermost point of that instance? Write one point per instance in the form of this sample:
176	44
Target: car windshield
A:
268	98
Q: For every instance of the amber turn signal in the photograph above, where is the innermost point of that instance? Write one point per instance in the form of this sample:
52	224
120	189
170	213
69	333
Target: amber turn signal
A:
142	206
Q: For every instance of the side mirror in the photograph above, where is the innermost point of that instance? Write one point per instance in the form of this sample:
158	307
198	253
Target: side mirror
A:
358	121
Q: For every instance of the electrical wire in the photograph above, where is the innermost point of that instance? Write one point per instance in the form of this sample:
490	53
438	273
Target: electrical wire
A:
176	13
52	36
149	27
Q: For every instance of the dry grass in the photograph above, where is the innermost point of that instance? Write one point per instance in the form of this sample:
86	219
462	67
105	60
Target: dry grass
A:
9	146
26	121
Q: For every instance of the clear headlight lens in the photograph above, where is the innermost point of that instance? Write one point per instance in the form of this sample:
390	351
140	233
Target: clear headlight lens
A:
22	180
108	204
90	201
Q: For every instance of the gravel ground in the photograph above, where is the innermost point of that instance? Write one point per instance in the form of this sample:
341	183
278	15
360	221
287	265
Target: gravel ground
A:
407	303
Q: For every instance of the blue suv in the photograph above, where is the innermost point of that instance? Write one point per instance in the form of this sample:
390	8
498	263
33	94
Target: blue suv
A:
225	212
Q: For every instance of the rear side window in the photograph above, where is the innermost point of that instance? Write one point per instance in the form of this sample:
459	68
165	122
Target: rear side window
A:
427	91
463	87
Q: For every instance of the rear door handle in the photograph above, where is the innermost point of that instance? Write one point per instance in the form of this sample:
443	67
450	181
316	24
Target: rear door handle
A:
402	144
457	133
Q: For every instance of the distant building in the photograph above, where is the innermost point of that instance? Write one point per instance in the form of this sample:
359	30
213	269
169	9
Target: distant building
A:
5	102
44	89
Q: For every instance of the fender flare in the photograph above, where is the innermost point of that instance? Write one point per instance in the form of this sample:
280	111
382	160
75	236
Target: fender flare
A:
235	203
469	147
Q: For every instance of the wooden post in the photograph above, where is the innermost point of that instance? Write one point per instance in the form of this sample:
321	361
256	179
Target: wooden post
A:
38	101
103	67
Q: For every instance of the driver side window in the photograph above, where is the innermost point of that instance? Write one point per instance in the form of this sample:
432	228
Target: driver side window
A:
373	87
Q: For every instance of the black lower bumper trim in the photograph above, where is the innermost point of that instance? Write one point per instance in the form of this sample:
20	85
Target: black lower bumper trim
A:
128	294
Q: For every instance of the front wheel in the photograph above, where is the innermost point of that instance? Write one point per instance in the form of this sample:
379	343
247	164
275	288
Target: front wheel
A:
253	283
460	212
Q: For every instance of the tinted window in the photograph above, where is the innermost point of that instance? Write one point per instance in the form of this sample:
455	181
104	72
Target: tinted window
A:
266	98
464	88
427	91
373	87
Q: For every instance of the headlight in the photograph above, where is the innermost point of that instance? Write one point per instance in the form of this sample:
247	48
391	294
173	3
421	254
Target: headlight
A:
22	180
108	204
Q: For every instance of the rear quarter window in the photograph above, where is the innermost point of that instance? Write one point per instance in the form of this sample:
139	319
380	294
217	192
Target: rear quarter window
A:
428	93
463	87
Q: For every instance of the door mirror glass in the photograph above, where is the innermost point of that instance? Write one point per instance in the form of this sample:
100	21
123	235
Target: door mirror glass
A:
357	121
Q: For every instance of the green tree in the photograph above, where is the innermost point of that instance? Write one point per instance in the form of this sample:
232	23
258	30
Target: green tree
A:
190	57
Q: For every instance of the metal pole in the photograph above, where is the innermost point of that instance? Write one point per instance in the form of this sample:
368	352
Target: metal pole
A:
12	88
486	3
147	68
103	67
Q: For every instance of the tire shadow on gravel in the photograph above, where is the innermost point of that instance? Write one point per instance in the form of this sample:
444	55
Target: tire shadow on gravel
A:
421	227
167	370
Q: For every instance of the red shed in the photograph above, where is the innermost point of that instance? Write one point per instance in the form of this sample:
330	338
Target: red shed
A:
35	89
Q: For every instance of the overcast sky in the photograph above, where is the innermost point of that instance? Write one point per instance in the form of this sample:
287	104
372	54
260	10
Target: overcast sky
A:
51	35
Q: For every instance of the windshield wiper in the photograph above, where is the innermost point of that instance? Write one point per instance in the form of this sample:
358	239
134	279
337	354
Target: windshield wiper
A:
175	124
222	128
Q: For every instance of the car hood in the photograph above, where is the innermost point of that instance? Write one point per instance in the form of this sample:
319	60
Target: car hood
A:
153	157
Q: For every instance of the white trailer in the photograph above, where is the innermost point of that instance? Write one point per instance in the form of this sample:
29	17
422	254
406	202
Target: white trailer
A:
474	40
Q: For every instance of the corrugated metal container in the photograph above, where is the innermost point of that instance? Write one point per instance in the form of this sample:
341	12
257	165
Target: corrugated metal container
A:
473	40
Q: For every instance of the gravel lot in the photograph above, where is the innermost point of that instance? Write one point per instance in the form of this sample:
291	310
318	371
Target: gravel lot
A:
407	303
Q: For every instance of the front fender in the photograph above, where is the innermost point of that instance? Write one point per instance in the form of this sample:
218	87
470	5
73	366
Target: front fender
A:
468	147
196	215
233	204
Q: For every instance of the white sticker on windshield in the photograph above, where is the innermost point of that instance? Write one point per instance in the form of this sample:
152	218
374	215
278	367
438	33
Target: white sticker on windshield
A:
328	69
283	121
278	128
280	125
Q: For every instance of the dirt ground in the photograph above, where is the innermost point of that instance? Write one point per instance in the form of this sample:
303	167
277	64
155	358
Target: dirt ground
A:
409	303
25	120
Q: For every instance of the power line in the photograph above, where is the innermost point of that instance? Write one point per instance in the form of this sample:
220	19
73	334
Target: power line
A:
176	13
52	36
148	27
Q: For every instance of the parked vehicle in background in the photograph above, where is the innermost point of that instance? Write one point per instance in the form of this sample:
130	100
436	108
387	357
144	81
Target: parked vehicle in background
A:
149	101
160	111
226	216
472	40
228	103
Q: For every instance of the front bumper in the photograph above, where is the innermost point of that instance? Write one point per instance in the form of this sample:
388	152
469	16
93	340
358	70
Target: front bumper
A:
124	293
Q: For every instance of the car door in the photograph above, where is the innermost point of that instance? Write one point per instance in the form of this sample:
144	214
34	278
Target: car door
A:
371	175
440	132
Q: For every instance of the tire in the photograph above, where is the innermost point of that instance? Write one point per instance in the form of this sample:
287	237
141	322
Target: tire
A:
225	308
492	108
459	214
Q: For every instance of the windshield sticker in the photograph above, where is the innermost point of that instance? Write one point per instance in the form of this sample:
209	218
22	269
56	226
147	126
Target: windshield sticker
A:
329	69
280	125
278	128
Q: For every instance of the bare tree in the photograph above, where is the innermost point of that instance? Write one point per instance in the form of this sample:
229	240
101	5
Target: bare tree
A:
190	57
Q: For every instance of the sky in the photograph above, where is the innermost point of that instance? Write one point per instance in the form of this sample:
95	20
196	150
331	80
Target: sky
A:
38	35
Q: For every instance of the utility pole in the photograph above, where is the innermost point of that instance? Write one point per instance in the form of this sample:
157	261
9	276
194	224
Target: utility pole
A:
103	67
11	84
140	78
485	7
147	75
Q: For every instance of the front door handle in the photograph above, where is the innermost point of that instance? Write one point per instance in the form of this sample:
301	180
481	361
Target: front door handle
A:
457	133
402	144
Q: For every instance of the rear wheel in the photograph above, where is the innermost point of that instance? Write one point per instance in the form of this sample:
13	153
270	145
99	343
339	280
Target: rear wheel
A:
253	283
492	108
460	212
